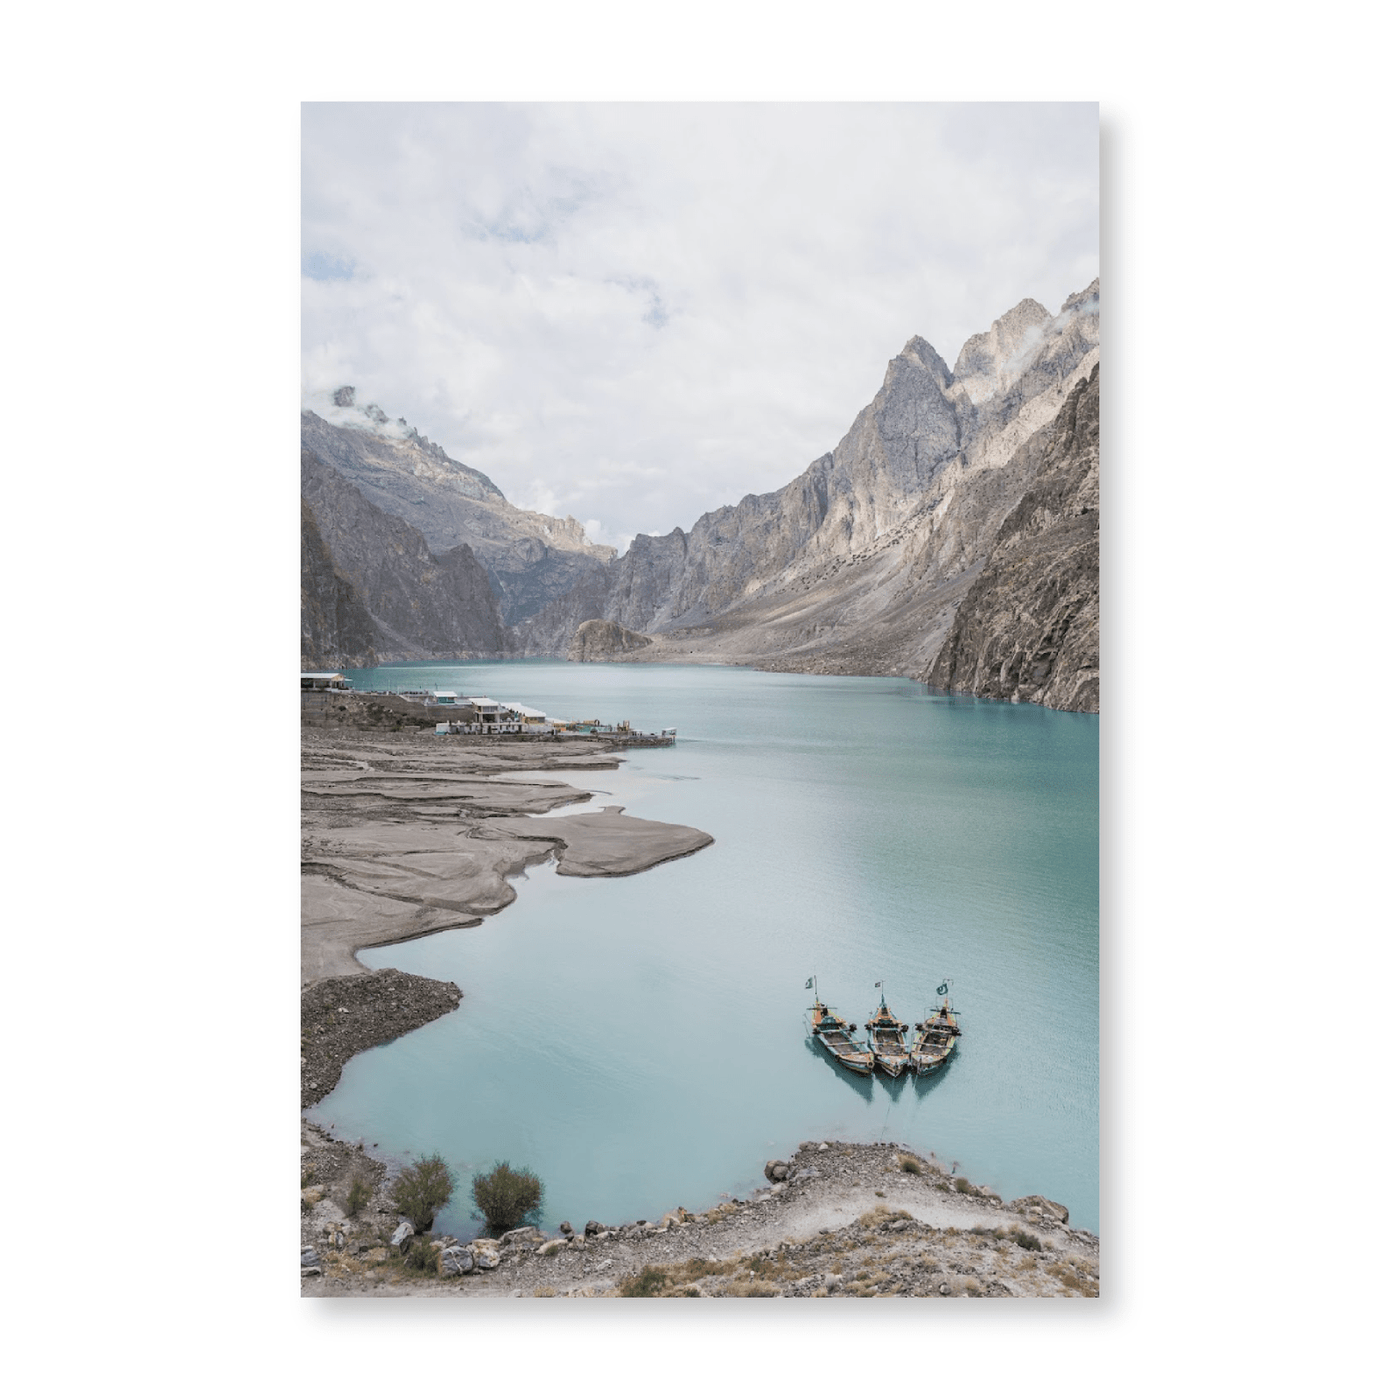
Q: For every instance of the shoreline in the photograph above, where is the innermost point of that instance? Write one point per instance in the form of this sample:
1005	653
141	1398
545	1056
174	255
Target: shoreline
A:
406	833
385	807
840	1219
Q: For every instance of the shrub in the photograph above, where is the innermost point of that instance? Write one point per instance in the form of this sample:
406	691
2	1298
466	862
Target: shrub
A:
422	1190
421	1258
359	1196
1028	1241
308	1176
912	1165
963	1186
647	1284
504	1196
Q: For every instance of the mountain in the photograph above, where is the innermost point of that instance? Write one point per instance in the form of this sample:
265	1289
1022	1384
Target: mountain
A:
1029	626
529	558
336	628
418	604
859	565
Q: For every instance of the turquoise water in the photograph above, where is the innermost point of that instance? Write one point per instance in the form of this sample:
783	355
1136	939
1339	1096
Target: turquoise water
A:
640	1043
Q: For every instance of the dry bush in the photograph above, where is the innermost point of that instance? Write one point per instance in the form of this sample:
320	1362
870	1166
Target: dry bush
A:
693	1269
420	1191
650	1283
909	1164
505	1196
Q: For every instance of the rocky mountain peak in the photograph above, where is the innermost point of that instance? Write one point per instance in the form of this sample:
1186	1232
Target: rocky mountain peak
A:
922	353
990	359
1085	302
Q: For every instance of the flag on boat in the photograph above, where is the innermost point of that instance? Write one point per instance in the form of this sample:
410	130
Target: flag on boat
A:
809	982
878	985
943	989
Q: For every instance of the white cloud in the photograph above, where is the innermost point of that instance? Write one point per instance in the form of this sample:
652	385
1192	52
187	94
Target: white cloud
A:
643	312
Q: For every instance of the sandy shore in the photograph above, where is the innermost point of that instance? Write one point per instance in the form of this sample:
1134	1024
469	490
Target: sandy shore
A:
405	834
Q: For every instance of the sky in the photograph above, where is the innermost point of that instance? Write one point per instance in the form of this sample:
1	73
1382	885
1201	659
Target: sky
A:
634	313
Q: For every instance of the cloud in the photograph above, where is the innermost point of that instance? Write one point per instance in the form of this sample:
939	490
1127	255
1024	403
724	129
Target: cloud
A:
642	312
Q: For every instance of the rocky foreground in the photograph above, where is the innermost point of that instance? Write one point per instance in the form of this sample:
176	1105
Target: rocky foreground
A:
845	1220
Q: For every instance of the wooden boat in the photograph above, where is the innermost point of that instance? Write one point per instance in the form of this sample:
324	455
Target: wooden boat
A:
934	1038
887	1040
838	1036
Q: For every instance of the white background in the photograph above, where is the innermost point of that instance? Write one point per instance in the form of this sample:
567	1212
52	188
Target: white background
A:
151	243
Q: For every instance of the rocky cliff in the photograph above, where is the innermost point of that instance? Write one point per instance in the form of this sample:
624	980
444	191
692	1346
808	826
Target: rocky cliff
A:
859	565
336	628
529	558
1028	628
597	640
420	605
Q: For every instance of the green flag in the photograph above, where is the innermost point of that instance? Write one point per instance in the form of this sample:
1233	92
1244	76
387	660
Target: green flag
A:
809	983
943	989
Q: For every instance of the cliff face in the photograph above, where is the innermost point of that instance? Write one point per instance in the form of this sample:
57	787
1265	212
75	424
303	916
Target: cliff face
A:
858	565
420	605
336	628
529	558
1028	628
597	640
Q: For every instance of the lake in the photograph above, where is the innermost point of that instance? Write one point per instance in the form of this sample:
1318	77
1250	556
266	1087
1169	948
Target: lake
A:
640	1042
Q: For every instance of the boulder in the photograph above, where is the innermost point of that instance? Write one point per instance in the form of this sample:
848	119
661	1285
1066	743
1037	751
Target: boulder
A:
309	1257
486	1254
457	1259
526	1234
400	1238
592	1228
551	1247
776	1170
566	1229
1050	1208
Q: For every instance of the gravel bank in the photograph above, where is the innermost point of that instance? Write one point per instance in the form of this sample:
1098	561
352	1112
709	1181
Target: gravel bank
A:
344	1015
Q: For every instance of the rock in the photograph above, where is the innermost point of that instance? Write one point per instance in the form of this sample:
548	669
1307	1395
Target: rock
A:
314	1195
457	1259
309	1257
776	1170
1039	1203
566	1229
525	1234
401	1236
824	1147
551	1247
592	1228
598	640
780	1188
486	1255
313	1272
945	1290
